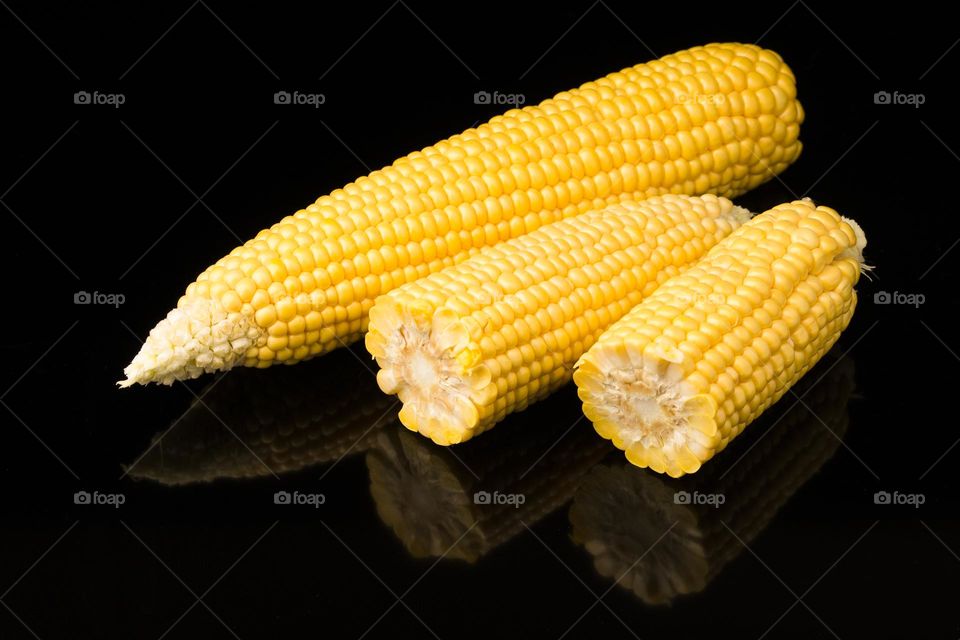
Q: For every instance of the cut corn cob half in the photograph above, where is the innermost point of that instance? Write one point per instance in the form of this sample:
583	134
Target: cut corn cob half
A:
467	346
653	537
686	370
719	119
254	424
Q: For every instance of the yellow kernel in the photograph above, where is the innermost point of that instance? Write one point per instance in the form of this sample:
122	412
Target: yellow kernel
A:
277	343
260	299
266	316
286	308
245	288
231	301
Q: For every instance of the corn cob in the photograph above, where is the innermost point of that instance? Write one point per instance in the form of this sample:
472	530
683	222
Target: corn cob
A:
620	513
253	424
429	497
686	370
719	119
465	347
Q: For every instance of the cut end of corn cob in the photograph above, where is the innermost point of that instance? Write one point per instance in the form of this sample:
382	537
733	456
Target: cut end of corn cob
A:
686	370
431	363
640	401
197	337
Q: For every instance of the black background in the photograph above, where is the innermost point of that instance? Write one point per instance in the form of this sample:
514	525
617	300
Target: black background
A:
138	199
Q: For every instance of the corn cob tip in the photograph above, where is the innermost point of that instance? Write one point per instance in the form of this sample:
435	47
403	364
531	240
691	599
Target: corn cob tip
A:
855	250
197	337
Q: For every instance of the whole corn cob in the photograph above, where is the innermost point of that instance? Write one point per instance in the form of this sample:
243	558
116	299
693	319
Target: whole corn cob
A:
465	347
441	504
685	371
651	536
254	424
719	119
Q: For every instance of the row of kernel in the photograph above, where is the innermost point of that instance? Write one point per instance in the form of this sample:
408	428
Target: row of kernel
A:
440	179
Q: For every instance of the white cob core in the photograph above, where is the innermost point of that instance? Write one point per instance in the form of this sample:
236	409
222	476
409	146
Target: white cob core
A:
650	406
197	337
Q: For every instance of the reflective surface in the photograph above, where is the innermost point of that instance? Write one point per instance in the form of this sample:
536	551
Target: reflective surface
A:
318	507
252	424
289	503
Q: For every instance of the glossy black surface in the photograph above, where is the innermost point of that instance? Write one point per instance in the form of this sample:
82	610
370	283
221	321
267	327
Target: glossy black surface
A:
136	200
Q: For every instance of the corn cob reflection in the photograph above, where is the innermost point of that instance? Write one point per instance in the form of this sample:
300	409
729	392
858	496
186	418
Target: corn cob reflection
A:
284	419
620	511
431	499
